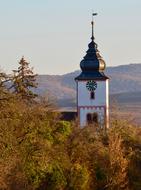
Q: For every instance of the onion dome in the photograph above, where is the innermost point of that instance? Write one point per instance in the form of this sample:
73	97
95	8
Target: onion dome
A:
92	65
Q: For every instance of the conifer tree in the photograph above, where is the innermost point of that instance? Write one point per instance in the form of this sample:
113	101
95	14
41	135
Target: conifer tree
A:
24	81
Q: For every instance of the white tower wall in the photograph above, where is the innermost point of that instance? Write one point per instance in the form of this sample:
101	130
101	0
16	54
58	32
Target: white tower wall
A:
99	105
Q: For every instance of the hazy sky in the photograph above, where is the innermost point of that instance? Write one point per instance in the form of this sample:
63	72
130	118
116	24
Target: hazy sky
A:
53	34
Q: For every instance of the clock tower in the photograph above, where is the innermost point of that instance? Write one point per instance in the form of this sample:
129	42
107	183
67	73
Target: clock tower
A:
93	88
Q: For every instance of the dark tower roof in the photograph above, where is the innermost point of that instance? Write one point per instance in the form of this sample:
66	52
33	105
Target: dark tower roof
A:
92	65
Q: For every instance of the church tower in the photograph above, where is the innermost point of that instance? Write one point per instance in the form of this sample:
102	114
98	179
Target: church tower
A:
93	88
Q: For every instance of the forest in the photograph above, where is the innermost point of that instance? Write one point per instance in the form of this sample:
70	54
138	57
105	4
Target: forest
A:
39	151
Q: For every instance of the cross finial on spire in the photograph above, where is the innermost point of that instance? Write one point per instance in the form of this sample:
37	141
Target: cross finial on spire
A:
93	14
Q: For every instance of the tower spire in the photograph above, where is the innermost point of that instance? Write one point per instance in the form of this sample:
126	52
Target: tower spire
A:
92	23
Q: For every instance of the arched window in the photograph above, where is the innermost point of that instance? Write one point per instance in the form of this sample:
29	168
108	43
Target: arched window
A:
92	118
95	117
92	95
89	118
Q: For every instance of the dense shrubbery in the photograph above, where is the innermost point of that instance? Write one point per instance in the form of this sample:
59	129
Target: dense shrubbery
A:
39	151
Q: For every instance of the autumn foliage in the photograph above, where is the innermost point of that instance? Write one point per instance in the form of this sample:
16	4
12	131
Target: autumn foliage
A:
39	151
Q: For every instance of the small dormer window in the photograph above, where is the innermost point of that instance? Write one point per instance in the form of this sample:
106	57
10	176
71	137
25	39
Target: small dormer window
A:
92	95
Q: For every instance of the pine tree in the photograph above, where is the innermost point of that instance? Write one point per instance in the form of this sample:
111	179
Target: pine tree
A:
24	81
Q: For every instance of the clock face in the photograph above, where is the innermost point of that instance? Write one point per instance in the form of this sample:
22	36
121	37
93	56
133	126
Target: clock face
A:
91	85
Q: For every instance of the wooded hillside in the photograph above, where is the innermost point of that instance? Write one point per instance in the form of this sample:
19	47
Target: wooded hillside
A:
39	151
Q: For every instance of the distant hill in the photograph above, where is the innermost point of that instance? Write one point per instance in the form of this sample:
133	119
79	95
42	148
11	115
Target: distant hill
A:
123	79
127	97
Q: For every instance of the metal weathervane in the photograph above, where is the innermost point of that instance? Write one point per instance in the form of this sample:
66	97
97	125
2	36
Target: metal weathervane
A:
93	14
